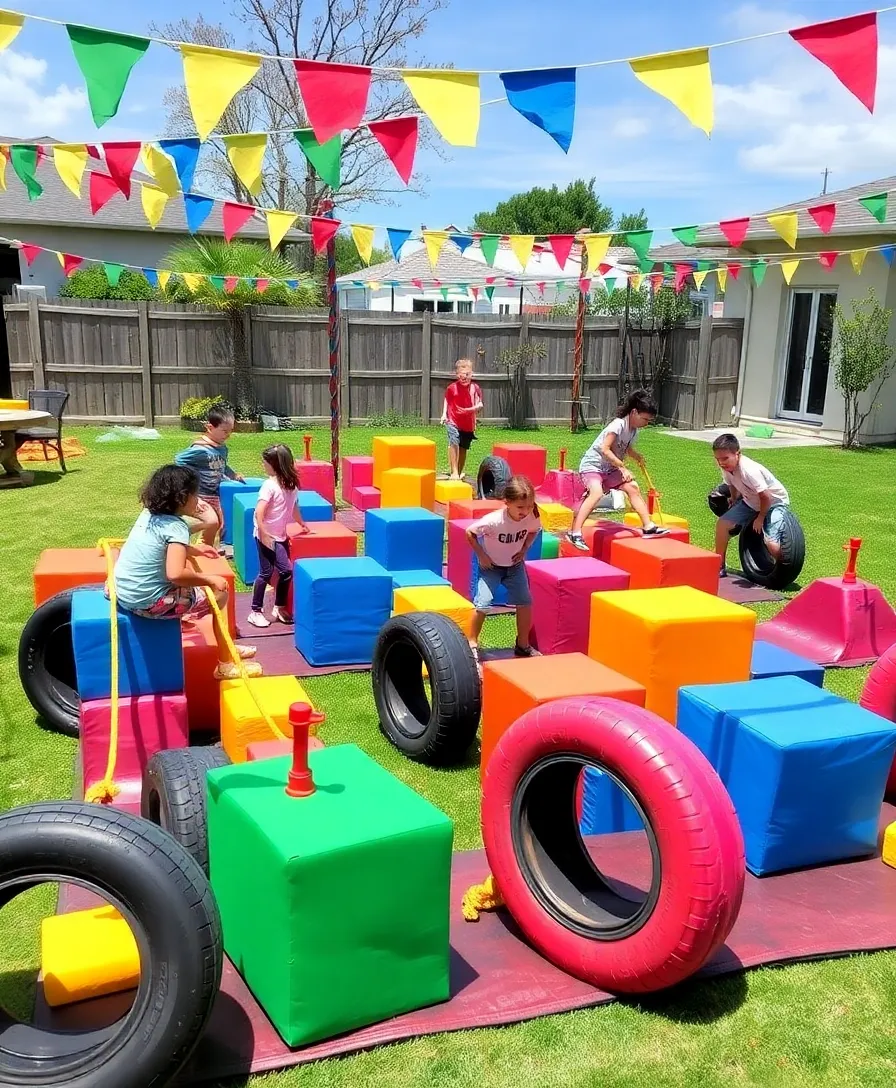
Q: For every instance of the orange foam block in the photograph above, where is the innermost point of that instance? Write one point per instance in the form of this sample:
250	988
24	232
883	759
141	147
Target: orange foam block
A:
58	569
408	487
275	749
669	637
85	954
659	562
604	532
510	688
465	509
223	569
200	648
402	451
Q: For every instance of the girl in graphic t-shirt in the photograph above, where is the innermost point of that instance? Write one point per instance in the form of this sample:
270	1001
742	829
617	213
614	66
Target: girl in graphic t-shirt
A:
500	540
276	508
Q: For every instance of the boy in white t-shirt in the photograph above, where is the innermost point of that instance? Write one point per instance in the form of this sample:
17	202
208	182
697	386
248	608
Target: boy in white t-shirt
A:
756	496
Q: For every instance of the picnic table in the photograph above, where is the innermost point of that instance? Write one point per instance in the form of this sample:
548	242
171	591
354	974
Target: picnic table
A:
11	419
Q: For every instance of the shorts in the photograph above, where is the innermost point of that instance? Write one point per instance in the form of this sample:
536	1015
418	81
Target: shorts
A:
457	437
195	525
182	600
515	581
741	514
608	481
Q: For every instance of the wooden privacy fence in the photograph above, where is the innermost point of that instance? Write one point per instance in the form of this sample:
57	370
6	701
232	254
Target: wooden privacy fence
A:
136	362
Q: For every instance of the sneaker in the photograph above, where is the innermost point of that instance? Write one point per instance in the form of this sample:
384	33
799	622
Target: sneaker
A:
578	541
525	651
723	572
229	671
258	619
280	615
654	530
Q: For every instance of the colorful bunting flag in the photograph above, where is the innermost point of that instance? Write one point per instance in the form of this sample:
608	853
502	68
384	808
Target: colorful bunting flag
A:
788	268
547	98
10	25
397	239
30	252
684	79
164	277
261	285
561	246
490	293
230	283
120	161
636	281
152	277
443	291
246	155
596	246
462	241
154	202
192	280
234	218
213	77
584	284
70	161
334	95
363	238
161	169
541	287
449	99
686	235
489	243
640	241
418	284
24	161
699	277
322	231
887	253
398	138
217	282
102	188
474	291
735	230
875	205
734	270
185	154
113	272
758	269
106	61
325	158
722	277
278	224
3	161
785	224
849	48
197	209
682	271
522	246
824	216
70	262
857	259
434	240
828	260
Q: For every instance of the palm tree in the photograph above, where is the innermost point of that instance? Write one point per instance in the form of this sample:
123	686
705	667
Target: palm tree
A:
238	261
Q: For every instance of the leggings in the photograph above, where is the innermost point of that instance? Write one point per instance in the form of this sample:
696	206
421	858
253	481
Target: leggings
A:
270	559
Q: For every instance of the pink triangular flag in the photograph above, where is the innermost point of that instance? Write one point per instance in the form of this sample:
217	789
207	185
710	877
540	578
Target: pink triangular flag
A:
828	260
734	270
30	252
735	230
561	244
261	285
509	281
102	189
70	263
418	284
120	161
849	48
540	287
824	215
585	285
490	279
322	231
334	95
398	138
235	217
682	271
437	283
93	151
40	155
475	293
230	283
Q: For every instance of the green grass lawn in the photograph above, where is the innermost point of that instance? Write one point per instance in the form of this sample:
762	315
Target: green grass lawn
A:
828	1024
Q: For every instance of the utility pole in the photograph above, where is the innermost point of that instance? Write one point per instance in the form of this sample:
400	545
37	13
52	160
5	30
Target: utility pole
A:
824	187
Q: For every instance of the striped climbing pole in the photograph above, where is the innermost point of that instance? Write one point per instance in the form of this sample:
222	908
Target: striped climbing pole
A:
325	207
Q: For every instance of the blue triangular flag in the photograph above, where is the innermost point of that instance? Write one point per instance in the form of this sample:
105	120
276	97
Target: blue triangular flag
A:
887	253
293	285
152	277
397	239
547	99
198	209
462	241
185	154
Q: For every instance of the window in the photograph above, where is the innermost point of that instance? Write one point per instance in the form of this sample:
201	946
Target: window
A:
465	307
423	305
504	308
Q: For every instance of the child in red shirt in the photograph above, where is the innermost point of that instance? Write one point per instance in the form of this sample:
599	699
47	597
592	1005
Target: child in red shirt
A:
463	399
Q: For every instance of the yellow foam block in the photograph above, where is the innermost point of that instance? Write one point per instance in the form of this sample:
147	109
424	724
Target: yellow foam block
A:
87	953
408	487
13	405
401	452
555	517
453	491
669	521
242	723
888	855
443	599
668	637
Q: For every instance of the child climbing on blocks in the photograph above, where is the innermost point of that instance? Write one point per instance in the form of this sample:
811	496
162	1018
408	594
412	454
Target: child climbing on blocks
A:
755	495
207	456
463	399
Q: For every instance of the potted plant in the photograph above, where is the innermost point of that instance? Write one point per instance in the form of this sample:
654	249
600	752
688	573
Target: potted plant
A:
194	412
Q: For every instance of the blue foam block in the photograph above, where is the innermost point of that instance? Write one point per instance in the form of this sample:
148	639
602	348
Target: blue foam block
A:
405	538
605	808
314	507
228	489
245	550
150	656
340	606
805	769
770	660
403	578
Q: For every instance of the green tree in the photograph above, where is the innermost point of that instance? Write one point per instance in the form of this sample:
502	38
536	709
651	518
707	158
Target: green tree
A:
348	260
863	358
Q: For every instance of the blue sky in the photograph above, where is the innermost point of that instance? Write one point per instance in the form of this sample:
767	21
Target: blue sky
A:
781	117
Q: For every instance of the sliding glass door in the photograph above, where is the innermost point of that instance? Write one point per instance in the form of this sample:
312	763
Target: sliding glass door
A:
807	354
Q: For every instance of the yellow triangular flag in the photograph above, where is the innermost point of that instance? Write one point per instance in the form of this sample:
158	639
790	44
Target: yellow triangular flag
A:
722	276
246	154
699	277
161	168
522	245
10	24
192	280
3	161
636	280
450	100
212	78
856	258
596	246
434	239
363	238
70	161
374	286
785	223
154	201
278	224
788	268
164	277
684	78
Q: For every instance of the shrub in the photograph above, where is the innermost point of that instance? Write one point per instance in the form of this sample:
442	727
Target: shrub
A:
92	283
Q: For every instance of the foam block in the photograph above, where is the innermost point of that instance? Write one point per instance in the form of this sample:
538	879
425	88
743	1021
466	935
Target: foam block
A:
550	546
223	569
805	768
314	507
442	599
668	521
653	563
461	509
408	487
555	517
327	539
200	653
317	476
149	651
340	607
888	853
524	460
242	722
561	600
606	808
665	638
245	550
463	565
448	491
401	579
406	538
356	472
365	498
9	404
562	485
228	491
58	569
770	660
349	937
511	687
86	954
401	452
604	532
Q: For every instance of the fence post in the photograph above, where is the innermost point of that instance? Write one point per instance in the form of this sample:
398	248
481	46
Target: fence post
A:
145	362
704	356
426	369
37	348
524	329
345	393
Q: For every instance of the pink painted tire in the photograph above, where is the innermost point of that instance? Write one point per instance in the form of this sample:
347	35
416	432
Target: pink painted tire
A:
621	940
879	696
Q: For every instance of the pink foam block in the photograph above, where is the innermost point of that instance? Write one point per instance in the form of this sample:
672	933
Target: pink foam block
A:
561	600
460	557
563	486
832	622
365	498
356	472
146	724
317	476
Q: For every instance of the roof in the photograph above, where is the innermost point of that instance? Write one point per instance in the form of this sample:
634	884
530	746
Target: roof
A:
677	251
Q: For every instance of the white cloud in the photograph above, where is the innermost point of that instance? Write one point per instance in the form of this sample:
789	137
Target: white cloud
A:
34	109
630	128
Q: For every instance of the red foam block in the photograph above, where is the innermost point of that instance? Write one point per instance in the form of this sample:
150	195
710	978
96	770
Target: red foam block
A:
317	476
524	460
605	531
563	486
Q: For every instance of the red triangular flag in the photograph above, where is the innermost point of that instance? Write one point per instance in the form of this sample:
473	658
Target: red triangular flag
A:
824	215
335	95
230	283
682	271
561	244
735	230
93	151
849	48
540	287
475	293
828	260
418	284
70	262
261	286
510	282
322	231
734	270
657	280
40	154
120	161
585	284
102	189
30	252
235	217
604	268
437	283
490	279
398	138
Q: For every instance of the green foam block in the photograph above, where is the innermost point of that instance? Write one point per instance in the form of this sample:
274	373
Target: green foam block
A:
550	546
335	907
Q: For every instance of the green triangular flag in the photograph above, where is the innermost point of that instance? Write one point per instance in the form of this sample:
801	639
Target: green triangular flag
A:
489	291
488	243
610	285
686	235
759	272
105	60
640	241
705	266
24	161
217	282
326	158
668	270
876	205
443	291
113	272
645	265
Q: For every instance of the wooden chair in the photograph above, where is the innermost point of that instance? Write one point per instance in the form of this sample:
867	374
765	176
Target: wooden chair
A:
52	401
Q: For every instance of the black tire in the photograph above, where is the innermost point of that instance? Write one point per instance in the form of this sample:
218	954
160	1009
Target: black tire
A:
718	503
168	903
47	664
174	795
494	472
440	734
759	567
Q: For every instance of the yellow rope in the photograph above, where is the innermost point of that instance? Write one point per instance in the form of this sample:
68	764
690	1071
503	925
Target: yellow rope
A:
107	790
656	494
484	896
